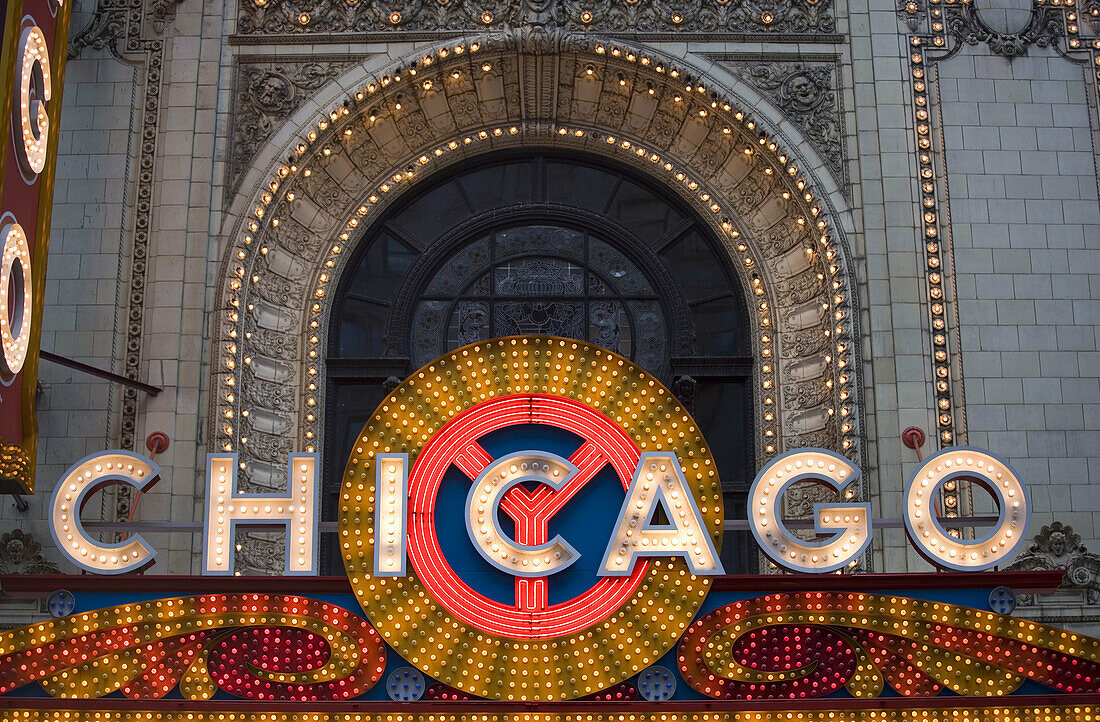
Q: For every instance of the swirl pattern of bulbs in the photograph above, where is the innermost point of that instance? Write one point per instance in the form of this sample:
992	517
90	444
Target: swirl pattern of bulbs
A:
255	646
493	657
802	645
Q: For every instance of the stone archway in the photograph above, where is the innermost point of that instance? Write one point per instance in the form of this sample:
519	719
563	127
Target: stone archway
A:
527	88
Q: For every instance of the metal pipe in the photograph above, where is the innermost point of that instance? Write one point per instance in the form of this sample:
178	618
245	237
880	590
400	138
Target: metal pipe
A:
93	371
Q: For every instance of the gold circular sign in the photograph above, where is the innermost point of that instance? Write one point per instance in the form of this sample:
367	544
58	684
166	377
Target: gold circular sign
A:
563	653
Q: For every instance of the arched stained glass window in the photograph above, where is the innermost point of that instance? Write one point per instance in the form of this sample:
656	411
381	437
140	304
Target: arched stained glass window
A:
558	245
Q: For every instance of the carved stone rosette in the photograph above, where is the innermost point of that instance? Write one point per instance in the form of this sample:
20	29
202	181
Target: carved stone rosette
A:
498	91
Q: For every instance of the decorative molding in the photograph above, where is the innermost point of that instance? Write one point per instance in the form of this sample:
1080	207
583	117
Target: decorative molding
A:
937	31
1059	547
806	90
268	89
497	91
715	19
951	25
20	553
132	30
115	21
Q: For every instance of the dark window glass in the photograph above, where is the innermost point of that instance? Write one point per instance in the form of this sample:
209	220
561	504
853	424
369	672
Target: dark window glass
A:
642	212
723	410
381	269
551	245
717	327
362	324
578	185
699	280
351	404
499	185
441	209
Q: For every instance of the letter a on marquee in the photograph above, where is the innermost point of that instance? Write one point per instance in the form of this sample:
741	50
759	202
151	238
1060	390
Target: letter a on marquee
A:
658	480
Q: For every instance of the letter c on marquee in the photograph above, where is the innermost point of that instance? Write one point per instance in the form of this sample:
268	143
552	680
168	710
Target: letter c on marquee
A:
848	524
83	479
483	501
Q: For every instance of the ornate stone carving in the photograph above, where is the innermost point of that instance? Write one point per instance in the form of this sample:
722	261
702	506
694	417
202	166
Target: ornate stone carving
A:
684	388
20	553
607	99
114	21
1058	547
781	19
808	92
951	27
268	89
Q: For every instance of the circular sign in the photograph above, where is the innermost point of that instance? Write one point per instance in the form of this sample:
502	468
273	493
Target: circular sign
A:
525	647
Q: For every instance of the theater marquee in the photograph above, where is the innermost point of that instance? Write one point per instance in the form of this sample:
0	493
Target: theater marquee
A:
536	520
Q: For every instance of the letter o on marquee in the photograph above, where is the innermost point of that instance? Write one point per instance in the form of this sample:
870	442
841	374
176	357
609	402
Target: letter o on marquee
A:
15	319
933	541
29	111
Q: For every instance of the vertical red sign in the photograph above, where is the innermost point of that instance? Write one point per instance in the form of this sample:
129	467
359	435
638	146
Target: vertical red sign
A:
32	65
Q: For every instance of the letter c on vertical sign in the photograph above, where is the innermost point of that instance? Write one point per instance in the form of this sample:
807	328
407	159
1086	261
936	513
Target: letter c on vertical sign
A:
15	319
941	548
848	524
29	109
81	480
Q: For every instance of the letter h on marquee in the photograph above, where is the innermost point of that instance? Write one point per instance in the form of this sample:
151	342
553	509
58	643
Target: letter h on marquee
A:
295	511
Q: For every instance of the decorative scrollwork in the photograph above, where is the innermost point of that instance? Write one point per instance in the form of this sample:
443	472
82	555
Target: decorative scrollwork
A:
268	90
811	644
20	553
255	646
807	92
725	17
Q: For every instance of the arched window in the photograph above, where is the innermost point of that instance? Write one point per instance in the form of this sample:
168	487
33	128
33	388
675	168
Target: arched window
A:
551	244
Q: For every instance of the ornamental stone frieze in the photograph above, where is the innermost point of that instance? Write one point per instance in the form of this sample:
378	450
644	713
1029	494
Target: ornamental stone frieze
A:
21	553
710	19
807	90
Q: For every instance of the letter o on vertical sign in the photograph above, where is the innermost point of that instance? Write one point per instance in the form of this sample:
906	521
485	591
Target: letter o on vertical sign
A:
29	109
15	298
933	541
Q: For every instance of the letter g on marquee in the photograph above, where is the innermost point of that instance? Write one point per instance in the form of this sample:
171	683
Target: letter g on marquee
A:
483	525
849	524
